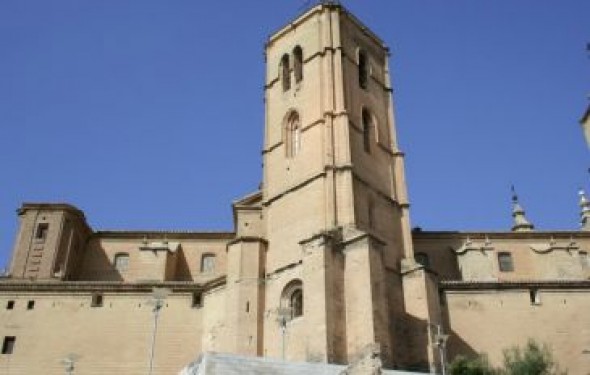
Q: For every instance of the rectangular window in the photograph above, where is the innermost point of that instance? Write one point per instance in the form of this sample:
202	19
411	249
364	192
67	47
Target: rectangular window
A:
8	344
9	305
96	300
505	262
122	262
197	299
42	230
30	305
535	297
208	263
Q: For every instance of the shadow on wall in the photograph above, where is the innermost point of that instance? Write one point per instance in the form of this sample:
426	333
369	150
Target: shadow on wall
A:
455	345
183	272
415	333
96	266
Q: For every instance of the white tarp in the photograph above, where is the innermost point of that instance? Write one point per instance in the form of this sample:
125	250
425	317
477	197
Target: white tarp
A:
229	364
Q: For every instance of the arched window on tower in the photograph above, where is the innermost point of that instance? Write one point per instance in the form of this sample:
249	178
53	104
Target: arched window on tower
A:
298	63
292	300
292	134
363	67
285	72
367	125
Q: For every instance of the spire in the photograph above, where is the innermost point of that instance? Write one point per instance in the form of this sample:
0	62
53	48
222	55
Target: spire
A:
585	213
521	224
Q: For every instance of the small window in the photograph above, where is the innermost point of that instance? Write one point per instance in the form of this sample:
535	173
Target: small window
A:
505	262
535	296
422	258
208	263
42	229
8	344
363	69
197	301
10	305
285	70
367	125
97	300
298	63
30	305
122	262
292	134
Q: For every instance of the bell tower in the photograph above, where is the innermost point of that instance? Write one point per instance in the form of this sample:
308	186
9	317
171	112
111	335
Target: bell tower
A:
334	192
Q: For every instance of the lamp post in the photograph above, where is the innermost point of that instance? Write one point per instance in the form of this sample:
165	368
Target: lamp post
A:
441	342
69	362
158	297
284	314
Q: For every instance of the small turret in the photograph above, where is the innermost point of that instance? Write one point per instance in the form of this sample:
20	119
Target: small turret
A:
585	211
50	241
521	224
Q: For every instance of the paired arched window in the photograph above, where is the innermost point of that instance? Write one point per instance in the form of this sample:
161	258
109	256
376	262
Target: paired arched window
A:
285	72
121	262
285	68
207	263
292	299
363	69
367	126
298	63
292	134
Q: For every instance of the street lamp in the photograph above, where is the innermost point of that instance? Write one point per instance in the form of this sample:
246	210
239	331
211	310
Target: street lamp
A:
69	362
158	297
284	314
440	340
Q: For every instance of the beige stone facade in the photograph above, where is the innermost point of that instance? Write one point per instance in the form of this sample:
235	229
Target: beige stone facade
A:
321	266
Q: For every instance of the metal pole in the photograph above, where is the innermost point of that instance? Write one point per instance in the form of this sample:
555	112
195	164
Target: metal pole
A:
153	346
283	327
441	349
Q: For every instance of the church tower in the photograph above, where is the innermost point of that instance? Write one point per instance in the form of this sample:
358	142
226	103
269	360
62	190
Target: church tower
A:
334	195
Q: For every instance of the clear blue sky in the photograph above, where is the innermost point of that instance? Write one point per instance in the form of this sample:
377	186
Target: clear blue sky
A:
149	114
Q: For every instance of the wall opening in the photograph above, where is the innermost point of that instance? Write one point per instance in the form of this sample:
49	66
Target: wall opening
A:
8	344
285	70
298	63
97	300
41	232
197	300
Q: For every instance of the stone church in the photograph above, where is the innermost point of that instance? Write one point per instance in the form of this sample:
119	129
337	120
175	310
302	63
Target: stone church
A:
322	264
